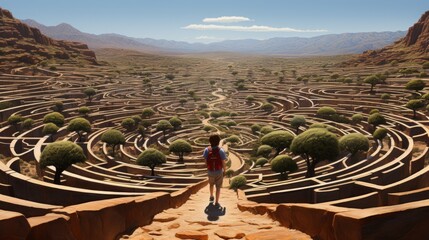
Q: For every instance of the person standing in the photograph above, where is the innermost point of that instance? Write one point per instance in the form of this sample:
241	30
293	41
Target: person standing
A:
216	167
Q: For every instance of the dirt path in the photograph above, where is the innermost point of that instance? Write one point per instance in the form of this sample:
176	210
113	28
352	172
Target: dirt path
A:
235	160
196	219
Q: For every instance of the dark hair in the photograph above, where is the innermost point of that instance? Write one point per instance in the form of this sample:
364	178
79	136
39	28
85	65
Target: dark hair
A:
214	140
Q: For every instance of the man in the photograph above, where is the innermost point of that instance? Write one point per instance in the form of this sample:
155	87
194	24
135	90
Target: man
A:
215	160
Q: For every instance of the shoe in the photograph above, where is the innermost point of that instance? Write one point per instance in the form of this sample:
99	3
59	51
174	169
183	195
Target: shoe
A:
217	205
211	199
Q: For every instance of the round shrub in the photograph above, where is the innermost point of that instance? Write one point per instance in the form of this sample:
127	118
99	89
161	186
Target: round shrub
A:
238	182
356	118
354	142
261	162
264	150
380	133
326	111
255	128
279	139
55	118
282	164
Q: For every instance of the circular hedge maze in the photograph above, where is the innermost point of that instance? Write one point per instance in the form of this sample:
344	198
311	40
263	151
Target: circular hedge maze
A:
302	131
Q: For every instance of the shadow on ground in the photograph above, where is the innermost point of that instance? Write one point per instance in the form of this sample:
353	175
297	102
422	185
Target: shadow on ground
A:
214	212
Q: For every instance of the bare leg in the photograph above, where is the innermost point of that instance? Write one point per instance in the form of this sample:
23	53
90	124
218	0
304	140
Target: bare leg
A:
217	194
211	190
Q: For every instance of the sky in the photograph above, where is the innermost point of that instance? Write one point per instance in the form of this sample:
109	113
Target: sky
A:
216	20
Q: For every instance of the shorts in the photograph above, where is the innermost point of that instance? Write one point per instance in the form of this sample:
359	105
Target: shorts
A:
216	179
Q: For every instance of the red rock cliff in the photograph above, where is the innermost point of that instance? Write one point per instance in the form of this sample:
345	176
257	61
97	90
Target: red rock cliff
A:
413	47
21	44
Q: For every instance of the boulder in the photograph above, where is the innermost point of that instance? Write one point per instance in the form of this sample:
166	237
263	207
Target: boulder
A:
165	217
227	233
191	234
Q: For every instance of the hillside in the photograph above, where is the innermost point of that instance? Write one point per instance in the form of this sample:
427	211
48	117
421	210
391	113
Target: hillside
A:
413	47
24	45
331	44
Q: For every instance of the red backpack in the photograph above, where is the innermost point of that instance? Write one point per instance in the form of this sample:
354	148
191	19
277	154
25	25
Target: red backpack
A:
214	162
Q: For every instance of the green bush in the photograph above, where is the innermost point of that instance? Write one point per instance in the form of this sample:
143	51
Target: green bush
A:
238	182
283	164
180	147
374	111
27	123
232	139
380	133
255	128
148	112
79	125
113	138
354	142
356	118
83	111
315	145
267	107
175	122
55	118
279	140
50	128
264	150
415	85
128	124
297	121
61	155
376	119
229	173
261	162
385	96
266	129
151	158
326	111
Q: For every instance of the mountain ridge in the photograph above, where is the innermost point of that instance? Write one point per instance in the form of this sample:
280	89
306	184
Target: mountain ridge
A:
320	45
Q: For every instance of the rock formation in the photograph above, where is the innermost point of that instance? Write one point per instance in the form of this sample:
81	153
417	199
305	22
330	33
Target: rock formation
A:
413	47
22	45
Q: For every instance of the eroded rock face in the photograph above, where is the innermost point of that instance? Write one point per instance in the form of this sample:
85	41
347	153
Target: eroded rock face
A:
50	227
23	45
13	225
414	46
418	33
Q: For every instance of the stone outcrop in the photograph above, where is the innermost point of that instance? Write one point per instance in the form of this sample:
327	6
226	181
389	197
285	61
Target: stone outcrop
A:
192	234
22	45
414	46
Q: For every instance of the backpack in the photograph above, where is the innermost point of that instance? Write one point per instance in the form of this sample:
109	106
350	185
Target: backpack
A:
214	162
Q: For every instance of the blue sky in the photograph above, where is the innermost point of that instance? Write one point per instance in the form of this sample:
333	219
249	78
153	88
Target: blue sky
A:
201	20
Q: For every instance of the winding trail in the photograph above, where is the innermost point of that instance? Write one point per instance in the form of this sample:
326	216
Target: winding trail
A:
236	162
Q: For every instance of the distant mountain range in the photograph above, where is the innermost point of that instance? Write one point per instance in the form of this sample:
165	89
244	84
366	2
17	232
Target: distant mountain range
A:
331	44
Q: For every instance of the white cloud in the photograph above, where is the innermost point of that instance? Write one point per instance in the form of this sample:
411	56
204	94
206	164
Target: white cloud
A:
206	38
226	19
253	28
